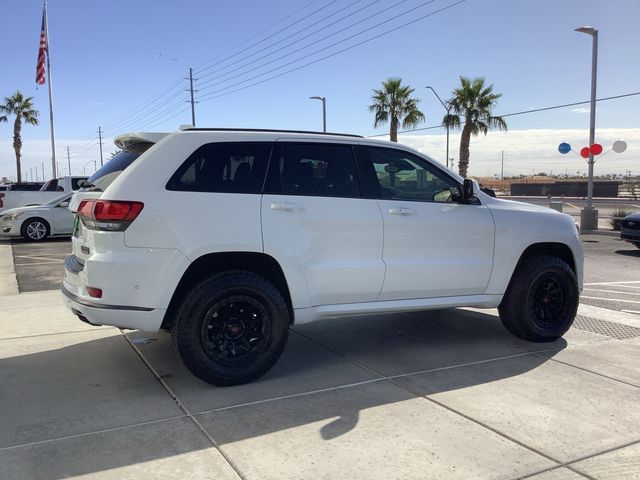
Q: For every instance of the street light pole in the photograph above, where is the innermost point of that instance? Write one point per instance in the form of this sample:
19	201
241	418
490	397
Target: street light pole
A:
324	111
589	215
447	107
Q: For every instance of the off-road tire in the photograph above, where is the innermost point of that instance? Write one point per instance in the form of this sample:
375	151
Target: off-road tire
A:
542	299
213	306
27	230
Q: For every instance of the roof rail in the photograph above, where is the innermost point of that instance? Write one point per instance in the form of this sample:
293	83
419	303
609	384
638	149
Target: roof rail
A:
266	130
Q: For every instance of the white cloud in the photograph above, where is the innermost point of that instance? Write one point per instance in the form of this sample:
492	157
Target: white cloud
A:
581	110
535	149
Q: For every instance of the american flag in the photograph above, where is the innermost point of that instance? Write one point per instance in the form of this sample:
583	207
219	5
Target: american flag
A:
42	50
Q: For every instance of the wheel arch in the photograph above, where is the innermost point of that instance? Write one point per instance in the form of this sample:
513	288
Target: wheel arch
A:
258	263
553	249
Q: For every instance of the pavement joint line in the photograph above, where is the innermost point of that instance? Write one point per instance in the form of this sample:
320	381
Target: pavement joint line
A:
637	312
610	299
603	452
611	291
550	469
293	395
572	205
183	407
106	328
592	372
95	432
612	283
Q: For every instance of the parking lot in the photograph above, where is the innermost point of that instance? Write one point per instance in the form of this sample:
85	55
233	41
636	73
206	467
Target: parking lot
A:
444	394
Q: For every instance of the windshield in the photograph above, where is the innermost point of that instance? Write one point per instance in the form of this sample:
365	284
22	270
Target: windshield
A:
120	162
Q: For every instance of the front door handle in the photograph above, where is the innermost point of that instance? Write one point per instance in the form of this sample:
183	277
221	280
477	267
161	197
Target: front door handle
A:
402	211
286	207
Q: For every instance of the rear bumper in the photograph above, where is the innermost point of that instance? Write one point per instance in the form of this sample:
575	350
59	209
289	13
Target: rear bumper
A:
123	316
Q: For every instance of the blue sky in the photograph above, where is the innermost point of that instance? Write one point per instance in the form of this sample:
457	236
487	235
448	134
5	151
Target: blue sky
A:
111	58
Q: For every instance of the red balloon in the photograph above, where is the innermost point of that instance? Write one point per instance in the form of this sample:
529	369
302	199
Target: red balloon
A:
596	149
584	153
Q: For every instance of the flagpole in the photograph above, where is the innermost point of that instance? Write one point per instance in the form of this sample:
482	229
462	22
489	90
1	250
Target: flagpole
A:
53	135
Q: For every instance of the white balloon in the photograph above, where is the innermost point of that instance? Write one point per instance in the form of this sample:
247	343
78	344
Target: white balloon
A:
619	146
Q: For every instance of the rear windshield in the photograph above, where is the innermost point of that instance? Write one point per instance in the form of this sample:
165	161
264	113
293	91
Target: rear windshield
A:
119	162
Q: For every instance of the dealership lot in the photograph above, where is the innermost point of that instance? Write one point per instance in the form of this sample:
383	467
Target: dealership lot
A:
444	394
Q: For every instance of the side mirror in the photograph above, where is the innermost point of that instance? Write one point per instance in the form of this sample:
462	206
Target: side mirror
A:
467	190
63	204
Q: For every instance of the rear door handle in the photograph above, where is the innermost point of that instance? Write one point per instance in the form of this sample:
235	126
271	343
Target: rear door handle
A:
286	207
402	211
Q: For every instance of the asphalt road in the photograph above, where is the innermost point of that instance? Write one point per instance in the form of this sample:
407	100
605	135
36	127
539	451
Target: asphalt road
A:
612	269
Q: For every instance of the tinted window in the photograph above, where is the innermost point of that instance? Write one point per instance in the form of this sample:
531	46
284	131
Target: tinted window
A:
403	176
50	186
313	169
224	167
26	187
116	164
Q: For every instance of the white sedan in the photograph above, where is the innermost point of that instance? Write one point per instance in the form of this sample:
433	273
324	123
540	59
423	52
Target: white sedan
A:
35	223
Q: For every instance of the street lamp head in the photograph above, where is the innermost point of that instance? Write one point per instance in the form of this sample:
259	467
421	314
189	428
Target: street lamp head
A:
586	29
316	98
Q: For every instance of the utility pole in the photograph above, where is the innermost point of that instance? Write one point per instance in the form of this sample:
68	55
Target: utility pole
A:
43	172
100	137
68	160
193	104
502	167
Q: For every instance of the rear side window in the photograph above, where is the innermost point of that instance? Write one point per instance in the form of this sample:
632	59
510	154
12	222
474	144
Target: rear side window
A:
234	167
313	169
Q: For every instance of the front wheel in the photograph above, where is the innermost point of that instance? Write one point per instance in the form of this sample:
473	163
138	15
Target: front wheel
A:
231	328
35	229
542	299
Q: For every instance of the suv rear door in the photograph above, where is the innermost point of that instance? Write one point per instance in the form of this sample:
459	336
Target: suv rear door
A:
316	223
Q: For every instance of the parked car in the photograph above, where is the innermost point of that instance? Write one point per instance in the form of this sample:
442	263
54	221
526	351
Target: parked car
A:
227	237
48	192
630	229
36	223
22	187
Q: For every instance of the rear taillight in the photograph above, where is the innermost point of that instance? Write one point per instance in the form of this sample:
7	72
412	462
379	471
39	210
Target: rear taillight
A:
108	215
94	292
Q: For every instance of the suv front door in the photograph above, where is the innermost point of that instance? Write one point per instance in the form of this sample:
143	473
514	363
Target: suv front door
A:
314	221
434	246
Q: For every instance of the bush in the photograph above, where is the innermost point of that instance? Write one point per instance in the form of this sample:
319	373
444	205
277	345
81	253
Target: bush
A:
617	215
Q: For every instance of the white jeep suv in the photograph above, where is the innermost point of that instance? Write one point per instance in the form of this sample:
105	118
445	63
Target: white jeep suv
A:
227	237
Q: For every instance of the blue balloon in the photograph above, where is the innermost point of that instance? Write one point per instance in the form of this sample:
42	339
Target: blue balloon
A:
564	148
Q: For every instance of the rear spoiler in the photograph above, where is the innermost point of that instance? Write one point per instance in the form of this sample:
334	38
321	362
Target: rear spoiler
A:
125	140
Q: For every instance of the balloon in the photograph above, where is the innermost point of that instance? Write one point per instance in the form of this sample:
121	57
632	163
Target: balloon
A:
596	149
564	147
584	153
619	146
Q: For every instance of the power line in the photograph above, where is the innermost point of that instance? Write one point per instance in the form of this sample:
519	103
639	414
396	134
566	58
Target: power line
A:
213	95
326	46
521	112
292	43
267	38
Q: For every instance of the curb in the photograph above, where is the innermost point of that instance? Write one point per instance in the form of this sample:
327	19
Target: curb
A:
8	280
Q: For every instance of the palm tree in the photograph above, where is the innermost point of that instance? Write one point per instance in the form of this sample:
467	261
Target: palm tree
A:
393	103
23	109
474	101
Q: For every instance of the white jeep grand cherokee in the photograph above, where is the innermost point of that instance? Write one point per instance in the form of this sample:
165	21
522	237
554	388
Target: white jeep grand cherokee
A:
227	237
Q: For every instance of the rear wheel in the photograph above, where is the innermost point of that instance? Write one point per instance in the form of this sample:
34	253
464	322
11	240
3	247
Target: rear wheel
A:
231	328
542	299
35	229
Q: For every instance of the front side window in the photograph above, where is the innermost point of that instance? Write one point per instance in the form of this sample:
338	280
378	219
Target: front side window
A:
223	167
403	176
313	169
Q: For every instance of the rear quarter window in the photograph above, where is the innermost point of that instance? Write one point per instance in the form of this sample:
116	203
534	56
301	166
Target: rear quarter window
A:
228	167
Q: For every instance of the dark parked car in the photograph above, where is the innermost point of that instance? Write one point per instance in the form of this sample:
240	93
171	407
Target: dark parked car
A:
24	187
630	230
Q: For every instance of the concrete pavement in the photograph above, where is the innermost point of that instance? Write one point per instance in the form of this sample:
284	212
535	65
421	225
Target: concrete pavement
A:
445	394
